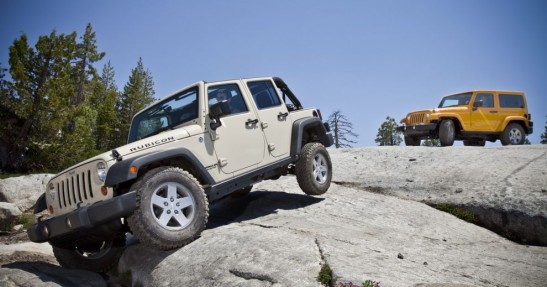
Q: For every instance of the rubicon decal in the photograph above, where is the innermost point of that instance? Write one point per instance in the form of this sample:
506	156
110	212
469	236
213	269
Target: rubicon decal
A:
151	144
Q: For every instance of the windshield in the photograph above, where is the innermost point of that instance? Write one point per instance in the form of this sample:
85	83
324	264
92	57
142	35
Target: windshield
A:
165	115
455	100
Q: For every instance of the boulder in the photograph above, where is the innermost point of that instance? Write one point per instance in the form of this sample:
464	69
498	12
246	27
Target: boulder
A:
23	191
8	214
375	223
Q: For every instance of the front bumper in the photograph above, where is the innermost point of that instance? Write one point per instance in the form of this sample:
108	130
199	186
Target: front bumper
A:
83	219
417	130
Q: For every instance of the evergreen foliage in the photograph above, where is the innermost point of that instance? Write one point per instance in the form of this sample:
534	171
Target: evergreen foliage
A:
137	94
388	134
431	142
544	135
56	110
342	129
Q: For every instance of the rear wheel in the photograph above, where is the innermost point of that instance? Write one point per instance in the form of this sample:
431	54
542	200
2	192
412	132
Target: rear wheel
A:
513	135
98	257
447	133
314	169
172	208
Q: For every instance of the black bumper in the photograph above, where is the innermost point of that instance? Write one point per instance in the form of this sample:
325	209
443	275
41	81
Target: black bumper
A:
83	219
417	130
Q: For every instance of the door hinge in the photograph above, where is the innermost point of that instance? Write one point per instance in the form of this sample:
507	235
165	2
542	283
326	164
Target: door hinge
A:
264	125
222	162
271	147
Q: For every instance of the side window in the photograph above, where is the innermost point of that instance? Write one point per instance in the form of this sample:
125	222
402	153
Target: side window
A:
229	93
486	99
264	94
511	101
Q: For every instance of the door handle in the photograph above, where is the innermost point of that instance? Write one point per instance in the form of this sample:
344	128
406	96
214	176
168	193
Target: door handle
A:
281	116
250	122
493	112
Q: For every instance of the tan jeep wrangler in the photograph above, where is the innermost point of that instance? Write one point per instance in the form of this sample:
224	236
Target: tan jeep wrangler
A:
200	144
474	117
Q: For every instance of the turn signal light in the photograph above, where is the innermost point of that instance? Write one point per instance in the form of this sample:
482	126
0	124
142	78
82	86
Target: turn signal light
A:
104	190
51	210
133	169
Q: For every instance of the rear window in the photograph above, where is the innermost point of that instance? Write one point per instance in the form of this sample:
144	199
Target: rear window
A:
511	101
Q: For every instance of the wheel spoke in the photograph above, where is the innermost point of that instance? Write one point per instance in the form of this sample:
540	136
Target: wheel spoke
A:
171	191
164	218
184	202
158	200
181	219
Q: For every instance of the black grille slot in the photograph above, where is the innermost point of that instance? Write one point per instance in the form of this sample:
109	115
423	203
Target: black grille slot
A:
89	183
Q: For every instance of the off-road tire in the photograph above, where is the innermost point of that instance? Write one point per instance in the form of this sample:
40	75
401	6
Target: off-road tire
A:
513	135
411	141
314	169
171	208
99	257
447	133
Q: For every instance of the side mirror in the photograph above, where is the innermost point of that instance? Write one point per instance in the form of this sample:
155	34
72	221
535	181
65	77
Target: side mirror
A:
477	104
217	111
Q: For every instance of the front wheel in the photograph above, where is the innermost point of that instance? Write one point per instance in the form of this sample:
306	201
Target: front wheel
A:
172	208
98	257
513	135
314	169
447	133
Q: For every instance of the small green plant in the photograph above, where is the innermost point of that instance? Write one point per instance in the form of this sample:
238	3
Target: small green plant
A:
27	220
325	275
370	283
367	283
458	212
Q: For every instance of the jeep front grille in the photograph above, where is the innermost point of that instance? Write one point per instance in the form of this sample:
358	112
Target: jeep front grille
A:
74	189
417	118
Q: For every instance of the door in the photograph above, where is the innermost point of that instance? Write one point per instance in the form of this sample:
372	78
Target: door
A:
484	115
238	142
274	116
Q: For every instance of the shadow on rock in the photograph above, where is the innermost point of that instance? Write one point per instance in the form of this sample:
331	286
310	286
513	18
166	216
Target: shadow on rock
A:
256	204
46	272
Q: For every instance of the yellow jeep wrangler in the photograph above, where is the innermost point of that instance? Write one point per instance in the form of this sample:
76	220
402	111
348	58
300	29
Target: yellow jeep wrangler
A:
474	117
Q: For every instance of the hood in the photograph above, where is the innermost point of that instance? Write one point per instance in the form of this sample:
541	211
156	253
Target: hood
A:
139	146
153	141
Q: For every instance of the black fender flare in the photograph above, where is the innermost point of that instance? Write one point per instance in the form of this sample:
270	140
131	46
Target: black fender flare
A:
119	172
298	128
40	204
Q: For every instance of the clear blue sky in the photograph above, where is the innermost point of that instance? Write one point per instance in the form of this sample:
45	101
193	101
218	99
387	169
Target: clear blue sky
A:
369	59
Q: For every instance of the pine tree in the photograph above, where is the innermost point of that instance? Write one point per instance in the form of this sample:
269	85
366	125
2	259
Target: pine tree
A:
544	135
388	134
41	82
105	97
137	94
51	128
342	129
87	54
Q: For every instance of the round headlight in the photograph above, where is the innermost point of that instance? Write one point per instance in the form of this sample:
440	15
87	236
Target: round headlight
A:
427	116
101	171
